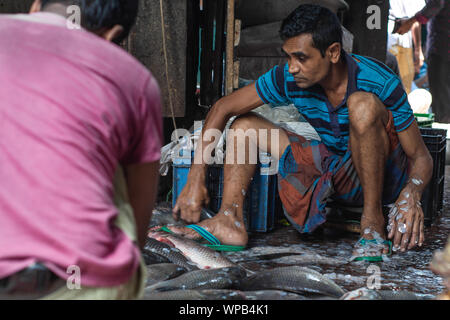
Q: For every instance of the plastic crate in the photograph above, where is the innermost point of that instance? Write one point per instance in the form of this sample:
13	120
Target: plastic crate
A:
260	201
424	120
433	195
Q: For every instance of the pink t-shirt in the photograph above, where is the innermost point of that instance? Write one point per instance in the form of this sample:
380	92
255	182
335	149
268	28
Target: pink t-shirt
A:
72	107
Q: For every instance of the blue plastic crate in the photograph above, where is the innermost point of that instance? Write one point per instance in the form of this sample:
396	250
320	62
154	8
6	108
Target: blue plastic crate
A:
260	201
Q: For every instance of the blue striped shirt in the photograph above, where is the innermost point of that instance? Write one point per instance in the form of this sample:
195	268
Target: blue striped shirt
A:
278	87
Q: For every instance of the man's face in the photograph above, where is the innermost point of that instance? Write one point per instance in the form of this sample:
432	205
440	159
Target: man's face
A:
305	62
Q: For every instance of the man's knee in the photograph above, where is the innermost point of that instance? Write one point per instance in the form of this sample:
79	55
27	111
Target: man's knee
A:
244	122
366	111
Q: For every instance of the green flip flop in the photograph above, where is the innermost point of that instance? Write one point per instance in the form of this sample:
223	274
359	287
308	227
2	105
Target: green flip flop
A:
363	242
213	242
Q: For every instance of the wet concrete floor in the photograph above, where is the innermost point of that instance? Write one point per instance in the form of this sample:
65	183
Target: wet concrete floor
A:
329	252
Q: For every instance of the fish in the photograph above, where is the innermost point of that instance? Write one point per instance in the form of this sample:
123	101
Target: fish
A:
272	295
203	257
157	248
207	294
292	279
369	294
162	216
206	214
163	271
403	295
361	294
221	278
152	258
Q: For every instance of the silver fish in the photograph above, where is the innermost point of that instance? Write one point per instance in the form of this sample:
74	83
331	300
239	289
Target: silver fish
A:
293	279
271	295
403	295
367	294
207	294
206	214
162	216
158	248
361	294
153	258
203	257
222	278
163	271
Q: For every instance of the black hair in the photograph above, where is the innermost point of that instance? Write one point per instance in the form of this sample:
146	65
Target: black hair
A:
320	22
99	14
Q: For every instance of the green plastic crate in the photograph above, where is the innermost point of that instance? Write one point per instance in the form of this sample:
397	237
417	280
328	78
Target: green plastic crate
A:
424	120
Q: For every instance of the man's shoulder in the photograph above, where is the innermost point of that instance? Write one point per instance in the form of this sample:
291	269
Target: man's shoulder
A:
373	75
373	66
83	48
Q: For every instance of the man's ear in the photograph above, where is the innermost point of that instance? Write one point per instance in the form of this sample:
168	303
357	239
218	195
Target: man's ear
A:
334	52
111	34
36	6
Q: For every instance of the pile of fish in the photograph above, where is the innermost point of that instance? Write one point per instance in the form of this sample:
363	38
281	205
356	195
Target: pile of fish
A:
182	269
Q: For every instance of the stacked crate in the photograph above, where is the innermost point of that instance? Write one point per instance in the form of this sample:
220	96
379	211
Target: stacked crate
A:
260	199
433	195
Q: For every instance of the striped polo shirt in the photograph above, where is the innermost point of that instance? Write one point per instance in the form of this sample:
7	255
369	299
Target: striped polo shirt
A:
277	87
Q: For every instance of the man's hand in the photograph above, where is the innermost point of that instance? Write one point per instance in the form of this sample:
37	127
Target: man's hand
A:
406	220
190	201
405	25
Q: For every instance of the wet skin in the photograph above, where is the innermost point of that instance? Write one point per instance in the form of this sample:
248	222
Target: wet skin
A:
369	144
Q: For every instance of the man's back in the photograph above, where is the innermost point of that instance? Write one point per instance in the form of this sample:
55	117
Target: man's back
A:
73	107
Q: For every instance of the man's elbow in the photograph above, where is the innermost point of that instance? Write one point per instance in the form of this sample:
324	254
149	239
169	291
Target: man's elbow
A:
221	110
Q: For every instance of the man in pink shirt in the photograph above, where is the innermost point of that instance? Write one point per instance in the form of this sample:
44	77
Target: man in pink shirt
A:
74	109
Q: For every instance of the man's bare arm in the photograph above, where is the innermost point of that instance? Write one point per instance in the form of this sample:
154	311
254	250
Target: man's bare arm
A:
142	181
421	161
417	40
194	195
421	169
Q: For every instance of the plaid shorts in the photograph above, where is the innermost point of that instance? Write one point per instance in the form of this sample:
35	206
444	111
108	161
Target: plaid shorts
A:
310	176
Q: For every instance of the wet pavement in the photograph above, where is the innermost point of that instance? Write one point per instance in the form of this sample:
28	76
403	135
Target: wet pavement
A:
329	252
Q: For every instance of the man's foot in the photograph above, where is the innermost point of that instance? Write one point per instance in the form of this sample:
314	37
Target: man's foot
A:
371	229
226	226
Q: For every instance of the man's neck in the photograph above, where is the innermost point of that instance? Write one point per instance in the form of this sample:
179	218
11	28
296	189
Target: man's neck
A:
337	78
